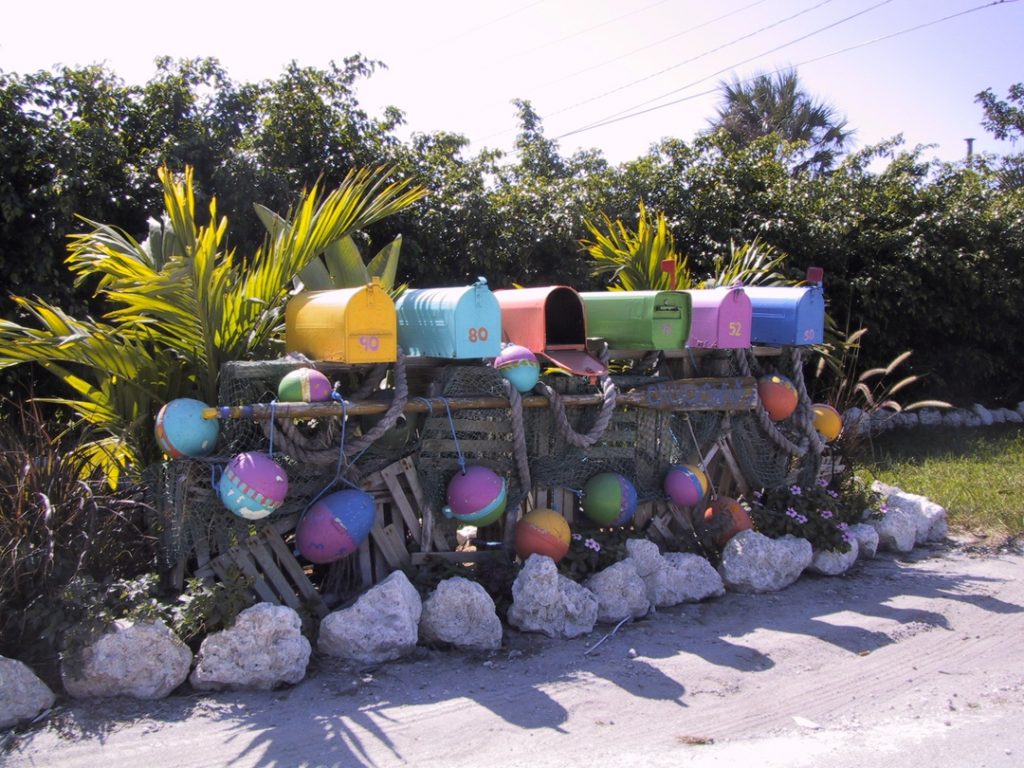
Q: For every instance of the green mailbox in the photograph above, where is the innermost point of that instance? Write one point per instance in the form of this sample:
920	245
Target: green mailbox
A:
639	319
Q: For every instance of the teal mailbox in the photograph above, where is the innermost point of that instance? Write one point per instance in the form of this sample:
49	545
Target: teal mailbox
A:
453	323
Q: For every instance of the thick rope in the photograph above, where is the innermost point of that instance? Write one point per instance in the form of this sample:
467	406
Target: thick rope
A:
783	443
519	449
322	449
390	417
804	415
604	418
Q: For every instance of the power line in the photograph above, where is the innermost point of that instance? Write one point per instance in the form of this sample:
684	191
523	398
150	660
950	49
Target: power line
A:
570	36
627	54
777	48
695	58
620	117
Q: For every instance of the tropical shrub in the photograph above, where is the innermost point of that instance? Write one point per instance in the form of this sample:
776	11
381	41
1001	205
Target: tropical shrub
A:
183	305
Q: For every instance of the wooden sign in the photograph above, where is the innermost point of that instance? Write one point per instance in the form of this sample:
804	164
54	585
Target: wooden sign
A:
734	394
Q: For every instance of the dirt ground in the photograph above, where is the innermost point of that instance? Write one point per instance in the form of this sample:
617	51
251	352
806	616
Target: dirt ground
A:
904	661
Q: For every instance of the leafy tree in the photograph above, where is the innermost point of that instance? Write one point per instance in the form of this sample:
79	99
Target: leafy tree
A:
1004	119
762	105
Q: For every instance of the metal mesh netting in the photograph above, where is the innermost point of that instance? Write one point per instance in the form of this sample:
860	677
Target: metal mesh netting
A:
193	521
639	443
485	435
763	462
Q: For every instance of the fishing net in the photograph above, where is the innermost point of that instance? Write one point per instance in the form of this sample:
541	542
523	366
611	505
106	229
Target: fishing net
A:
560	446
773	453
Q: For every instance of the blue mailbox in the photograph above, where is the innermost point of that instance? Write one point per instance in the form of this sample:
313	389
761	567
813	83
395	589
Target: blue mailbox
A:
787	316
453	323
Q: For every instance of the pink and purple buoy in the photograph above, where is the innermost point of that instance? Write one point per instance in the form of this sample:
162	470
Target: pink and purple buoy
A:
476	496
686	485
253	485
335	526
519	365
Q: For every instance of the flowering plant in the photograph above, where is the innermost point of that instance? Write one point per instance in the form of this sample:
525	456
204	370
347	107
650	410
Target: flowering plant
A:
593	549
820	513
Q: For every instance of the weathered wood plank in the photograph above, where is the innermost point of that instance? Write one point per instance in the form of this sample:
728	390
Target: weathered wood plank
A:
246	564
390	544
272	574
391	480
703	394
286	560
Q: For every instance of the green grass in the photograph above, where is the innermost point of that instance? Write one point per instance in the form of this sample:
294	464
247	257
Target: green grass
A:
976	474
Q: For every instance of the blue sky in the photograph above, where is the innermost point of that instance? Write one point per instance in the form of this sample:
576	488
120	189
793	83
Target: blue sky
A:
455	65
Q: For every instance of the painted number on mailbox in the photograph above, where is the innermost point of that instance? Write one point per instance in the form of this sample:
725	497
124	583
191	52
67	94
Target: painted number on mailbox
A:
369	343
477	334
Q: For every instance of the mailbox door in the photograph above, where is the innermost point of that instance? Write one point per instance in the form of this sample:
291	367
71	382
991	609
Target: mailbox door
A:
670	313
477	324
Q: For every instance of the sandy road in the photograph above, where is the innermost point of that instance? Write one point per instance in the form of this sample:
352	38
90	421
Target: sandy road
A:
901	662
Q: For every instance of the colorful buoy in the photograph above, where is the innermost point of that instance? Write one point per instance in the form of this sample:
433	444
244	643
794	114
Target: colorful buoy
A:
304	385
476	496
726	517
827	421
253	485
519	365
609	499
778	396
335	526
686	485
542	532
181	429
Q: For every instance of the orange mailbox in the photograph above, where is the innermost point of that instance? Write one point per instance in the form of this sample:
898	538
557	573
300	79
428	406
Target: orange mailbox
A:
552	323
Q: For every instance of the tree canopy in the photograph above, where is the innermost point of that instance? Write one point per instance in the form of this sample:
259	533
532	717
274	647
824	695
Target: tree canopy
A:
927	255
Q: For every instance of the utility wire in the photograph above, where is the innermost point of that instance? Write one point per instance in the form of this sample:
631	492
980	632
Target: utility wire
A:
570	36
733	66
627	54
703	54
620	117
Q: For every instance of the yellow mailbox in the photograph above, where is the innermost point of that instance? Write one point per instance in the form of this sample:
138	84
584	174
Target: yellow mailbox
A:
346	325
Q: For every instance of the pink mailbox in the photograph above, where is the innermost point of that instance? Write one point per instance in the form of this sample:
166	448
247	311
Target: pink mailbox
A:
721	318
552	323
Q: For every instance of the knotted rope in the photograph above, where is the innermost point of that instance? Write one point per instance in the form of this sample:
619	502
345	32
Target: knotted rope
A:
519	449
803	417
596	432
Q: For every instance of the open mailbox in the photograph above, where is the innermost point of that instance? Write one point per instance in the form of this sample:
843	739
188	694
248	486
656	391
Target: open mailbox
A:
551	322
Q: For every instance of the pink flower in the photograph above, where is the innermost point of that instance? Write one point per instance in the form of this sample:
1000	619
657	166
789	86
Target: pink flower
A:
591	544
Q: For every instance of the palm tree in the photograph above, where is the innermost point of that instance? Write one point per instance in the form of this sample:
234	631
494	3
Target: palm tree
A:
767	104
183	304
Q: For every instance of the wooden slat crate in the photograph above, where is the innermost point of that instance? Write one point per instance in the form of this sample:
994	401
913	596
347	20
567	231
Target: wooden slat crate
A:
276	574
